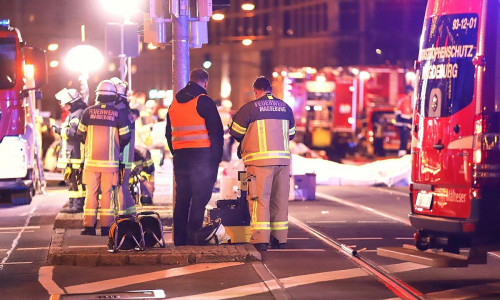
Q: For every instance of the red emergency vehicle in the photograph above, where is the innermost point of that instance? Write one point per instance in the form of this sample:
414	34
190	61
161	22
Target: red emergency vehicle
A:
455	178
343	110
23	71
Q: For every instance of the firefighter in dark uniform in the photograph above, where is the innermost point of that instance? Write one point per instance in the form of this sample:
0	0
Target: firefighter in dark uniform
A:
404	120
195	136
144	167
71	153
105	132
127	203
264	128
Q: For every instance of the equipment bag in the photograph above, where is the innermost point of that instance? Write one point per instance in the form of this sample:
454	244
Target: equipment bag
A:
213	234
152	228
125	234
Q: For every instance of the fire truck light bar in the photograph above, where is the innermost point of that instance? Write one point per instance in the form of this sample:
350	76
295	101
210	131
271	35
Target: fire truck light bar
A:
5	23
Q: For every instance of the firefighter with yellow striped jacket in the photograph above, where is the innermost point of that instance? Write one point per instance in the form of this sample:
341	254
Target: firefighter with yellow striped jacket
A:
105	132
71	153
125	200
264	128
195	137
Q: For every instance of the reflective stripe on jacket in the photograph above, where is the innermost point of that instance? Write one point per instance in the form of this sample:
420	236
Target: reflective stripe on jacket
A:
71	149
188	127
264	128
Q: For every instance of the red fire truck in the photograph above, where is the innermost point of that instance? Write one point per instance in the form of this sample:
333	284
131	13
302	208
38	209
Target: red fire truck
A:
456	133
23	71
342	110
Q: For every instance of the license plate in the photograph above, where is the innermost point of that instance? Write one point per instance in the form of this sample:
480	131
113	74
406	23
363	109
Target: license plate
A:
424	200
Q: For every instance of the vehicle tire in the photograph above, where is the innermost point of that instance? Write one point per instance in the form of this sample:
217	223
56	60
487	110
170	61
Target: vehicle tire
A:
423	243
21	198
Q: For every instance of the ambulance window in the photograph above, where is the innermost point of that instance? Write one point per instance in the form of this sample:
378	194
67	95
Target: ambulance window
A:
446	71
7	63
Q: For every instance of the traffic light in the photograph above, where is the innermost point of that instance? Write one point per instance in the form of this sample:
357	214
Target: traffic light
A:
220	4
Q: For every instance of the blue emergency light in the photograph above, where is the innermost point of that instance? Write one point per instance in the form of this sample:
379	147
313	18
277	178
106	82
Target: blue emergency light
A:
4	23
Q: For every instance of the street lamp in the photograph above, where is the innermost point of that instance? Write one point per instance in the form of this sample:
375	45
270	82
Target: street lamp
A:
125	8
84	59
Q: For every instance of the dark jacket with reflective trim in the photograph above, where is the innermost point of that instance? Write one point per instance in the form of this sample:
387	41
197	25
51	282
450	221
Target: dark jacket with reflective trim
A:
105	132
264	127
71	148
207	110
127	155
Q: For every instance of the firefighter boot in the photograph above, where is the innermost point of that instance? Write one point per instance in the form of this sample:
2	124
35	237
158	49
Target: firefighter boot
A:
68	208
78	205
88	231
275	244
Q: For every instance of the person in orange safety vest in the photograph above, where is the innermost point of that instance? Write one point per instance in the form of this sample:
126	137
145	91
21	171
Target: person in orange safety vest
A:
195	137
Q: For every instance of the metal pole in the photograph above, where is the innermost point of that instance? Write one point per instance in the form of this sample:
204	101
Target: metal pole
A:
180	54
180	46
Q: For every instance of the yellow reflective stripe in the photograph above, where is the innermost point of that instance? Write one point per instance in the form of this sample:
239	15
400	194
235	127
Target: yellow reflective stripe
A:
74	121
122	212
291	131
239	129
64	133
261	132
254	211
124	130
148	163
111	144
73	194
279	225
107	212
269	96
131	210
90	211
82	127
90	138
266	155
284	124
101	163
261	226
126	154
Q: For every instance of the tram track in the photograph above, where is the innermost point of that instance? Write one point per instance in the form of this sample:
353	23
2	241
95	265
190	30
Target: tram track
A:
398	287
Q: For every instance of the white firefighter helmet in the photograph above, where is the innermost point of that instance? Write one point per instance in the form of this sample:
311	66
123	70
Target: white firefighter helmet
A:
121	86
68	96
106	88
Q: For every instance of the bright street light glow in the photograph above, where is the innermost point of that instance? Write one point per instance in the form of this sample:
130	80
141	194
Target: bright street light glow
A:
84	59
125	8
207	64
247	42
218	17
152	46
53	47
247	6
54	63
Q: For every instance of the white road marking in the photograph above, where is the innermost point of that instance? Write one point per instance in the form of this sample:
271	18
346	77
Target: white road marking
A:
325	222
391	191
404	238
17	263
18	237
28	249
19	228
304	238
108	284
363	207
45	277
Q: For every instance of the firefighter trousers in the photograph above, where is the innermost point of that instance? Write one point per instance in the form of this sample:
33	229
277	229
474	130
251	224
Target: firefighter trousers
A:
125	200
107	181
76	189
269	206
195	181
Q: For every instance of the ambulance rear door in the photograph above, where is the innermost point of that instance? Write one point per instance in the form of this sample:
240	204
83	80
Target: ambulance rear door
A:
445	109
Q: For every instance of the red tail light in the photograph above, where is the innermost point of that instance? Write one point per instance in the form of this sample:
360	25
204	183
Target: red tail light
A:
486	149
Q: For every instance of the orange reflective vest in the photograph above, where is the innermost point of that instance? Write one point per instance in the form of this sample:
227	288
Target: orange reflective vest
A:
188	127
